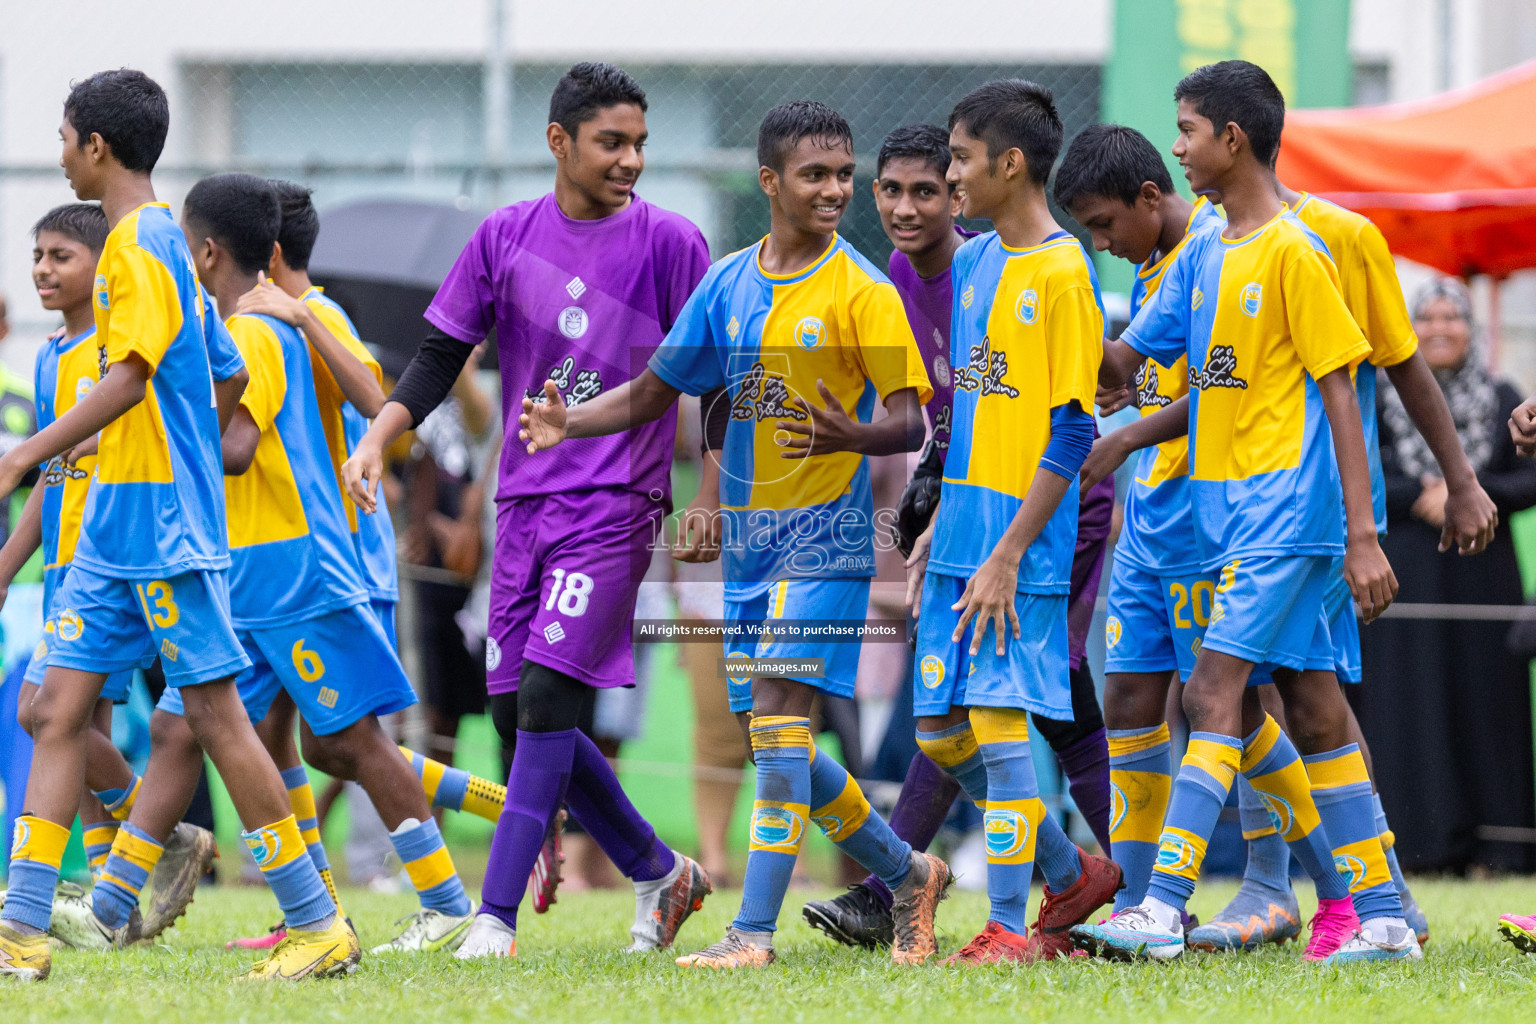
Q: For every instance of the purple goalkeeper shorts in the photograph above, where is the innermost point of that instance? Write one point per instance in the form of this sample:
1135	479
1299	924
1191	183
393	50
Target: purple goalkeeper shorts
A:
564	578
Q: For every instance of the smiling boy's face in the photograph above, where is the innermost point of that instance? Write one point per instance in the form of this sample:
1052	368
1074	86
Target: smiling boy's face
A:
815	187
917	207
63	271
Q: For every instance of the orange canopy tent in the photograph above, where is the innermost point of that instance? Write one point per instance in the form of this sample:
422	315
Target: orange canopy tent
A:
1450	180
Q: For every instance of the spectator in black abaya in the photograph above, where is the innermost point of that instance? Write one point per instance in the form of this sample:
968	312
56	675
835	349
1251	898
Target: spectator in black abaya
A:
1447	708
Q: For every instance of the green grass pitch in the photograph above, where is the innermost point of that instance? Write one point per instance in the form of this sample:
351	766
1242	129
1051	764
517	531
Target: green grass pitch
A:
569	970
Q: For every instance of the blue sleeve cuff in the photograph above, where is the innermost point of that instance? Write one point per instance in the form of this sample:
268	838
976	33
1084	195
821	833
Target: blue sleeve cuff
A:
1071	440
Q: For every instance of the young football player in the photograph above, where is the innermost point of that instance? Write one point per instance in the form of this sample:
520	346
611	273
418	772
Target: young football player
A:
580	286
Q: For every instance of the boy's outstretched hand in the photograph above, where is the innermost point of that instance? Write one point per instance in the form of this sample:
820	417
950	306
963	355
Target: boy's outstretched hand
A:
1370	577
824	430
542	424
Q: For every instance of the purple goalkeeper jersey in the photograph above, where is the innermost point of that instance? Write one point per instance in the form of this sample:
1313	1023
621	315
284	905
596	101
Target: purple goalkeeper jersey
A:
928	302
583	303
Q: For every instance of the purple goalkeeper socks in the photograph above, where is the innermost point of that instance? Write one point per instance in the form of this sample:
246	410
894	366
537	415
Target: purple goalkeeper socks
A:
598	802
541	771
926	796
1086	763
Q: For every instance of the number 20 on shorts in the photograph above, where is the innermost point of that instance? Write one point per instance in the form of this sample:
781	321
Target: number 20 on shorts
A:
570	593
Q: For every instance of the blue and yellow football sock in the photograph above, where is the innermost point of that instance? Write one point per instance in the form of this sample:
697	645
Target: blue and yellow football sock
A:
134	855
840	810
280	852
98	837
1389	847
456	789
420	847
301	800
1274	768
1140	779
1011	821
1199	793
119	802
1342	790
955	750
1269	858
37	850
781	748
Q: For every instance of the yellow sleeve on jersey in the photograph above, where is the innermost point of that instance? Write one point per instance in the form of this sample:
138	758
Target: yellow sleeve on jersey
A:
1325	335
1387	325
1074	346
263	355
145	313
336	323
887	351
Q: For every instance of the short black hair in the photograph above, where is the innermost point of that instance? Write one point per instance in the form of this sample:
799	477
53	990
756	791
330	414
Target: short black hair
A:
1011	113
1238	92
1109	160
785	125
300	224
239	211
926	142
589	87
128	109
82	222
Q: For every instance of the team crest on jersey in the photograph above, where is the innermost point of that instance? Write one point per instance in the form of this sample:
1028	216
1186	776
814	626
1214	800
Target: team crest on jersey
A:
1352	868
810	333
968	296
732	329
265	845
1280	813
1112	631
776	826
940	364
932	671
573	322
70	625
1027	308
1252	298
1175	853
1196	300
492	654
738	680
1006	832
1220	370
1117	807
101	291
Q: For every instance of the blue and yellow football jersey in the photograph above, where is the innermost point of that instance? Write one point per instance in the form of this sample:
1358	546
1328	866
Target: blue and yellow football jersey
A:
156	506
293	554
373	536
1369	282
224	360
1260	318
769	338
1159	535
1027	336
65	371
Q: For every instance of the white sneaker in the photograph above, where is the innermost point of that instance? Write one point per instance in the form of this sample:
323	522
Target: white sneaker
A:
428	930
487	937
1132	934
75	924
1379	940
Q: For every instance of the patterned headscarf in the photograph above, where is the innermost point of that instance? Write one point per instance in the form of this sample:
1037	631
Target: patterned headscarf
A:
1469	392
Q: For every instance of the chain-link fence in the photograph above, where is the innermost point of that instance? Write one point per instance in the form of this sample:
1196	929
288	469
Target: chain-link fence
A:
355	130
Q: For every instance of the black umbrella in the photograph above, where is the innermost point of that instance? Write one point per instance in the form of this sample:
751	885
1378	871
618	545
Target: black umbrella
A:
383	261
